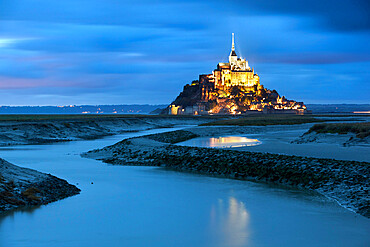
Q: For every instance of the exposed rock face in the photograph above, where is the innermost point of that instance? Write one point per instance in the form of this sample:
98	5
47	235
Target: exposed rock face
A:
345	181
26	187
231	100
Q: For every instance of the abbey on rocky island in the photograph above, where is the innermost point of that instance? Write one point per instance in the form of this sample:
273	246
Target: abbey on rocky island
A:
232	88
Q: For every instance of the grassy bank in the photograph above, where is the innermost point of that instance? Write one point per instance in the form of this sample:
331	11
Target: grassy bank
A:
361	130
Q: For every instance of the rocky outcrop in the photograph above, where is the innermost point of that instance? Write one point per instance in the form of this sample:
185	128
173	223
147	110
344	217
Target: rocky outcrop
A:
21	187
231	100
344	181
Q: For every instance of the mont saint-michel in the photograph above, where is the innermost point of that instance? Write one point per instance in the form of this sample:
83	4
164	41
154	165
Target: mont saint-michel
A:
232	88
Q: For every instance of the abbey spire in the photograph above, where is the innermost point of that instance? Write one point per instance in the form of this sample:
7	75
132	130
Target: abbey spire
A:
232	53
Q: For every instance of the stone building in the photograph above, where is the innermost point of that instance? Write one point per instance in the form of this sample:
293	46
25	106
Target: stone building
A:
234	73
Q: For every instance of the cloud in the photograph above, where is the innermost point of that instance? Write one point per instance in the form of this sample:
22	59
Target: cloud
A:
145	51
19	70
342	15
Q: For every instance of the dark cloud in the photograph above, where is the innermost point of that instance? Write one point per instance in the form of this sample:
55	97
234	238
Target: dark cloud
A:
343	15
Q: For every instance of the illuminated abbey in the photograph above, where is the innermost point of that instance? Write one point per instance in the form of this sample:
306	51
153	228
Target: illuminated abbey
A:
232	88
234	73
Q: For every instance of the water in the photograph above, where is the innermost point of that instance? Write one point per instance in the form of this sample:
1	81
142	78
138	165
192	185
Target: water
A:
148	206
221	142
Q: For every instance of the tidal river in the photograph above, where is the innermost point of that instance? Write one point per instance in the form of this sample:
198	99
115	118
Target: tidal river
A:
150	206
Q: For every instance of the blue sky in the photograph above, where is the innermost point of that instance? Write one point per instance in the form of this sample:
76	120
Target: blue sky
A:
137	52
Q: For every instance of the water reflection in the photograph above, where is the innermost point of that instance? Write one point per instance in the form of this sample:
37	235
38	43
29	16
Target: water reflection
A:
26	210
230	220
222	142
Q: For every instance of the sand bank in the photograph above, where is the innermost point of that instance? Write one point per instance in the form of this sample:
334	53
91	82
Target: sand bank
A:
21	187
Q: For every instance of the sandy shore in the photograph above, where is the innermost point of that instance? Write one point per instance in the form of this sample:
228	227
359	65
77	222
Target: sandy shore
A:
21	187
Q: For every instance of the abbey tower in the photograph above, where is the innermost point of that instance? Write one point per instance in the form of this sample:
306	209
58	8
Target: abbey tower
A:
234	73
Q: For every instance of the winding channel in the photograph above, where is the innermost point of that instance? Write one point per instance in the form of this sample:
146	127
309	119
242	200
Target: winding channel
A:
150	206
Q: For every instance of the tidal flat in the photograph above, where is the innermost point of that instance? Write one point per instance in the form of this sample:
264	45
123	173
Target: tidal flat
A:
161	186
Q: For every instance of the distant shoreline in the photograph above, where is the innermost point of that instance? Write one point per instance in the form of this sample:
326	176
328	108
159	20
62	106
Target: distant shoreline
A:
154	109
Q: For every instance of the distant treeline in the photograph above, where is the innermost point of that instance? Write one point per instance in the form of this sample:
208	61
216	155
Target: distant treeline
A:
81	109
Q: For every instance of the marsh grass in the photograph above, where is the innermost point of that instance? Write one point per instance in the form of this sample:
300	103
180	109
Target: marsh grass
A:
30	194
361	130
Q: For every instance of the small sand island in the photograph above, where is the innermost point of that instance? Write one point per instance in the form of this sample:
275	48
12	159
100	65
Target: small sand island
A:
232	88
20	187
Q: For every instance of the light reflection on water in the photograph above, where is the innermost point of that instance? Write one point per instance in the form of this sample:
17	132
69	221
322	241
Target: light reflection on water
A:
230	220
221	142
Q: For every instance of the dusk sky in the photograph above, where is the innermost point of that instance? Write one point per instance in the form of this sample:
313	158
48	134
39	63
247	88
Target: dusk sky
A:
62	52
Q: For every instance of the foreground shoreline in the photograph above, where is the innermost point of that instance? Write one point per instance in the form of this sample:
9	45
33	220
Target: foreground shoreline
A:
344	181
21	187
